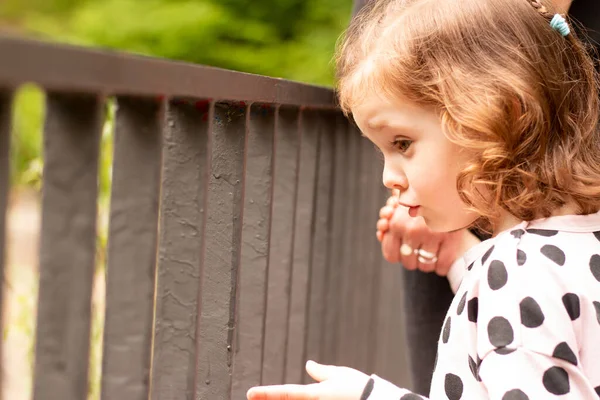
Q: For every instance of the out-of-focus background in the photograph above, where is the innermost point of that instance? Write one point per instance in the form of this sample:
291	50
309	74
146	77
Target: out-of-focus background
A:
292	39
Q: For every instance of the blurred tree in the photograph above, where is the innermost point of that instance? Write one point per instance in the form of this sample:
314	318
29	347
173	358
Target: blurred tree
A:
292	39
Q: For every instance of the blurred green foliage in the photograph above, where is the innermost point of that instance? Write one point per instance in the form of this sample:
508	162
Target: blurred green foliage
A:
292	39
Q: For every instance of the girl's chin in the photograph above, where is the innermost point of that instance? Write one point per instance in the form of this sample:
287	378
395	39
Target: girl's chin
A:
446	226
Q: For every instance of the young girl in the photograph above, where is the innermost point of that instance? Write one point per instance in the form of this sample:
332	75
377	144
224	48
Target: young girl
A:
486	113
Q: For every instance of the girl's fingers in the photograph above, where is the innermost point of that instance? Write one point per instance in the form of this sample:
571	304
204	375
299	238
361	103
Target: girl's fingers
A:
383	225
389	247
379	235
320	372
392	201
386	212
283	392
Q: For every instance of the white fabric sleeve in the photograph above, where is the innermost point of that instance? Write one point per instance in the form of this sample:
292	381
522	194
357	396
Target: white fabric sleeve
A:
384	390
520	373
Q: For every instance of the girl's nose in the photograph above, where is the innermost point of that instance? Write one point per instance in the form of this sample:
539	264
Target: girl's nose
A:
394	177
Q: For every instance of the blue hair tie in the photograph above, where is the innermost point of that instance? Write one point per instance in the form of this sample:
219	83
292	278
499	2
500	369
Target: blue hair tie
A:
559	24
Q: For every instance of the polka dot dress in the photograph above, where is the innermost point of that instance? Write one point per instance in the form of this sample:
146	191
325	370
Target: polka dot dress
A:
525	321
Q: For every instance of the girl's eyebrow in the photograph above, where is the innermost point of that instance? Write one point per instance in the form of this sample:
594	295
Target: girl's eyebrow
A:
377	125
384	124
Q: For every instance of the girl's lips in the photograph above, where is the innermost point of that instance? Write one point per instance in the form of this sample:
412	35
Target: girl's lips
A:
412	211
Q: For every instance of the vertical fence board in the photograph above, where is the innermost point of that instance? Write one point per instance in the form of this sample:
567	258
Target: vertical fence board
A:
221	254
364	233
67	246
183	195
359	257
131	265
252	288
320	246
309	144
384	309
336	244
345	345
374	267
285	174
5	118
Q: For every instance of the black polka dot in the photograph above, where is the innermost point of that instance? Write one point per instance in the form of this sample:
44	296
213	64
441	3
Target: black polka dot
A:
453	386
411	396
435	362
571	303
461	304
470	267
515	394
531	313
542	232
521	257
597	388
472	309
474	369
517	233
597	234
446	332
554	253
500	332
556	381
497	275
595	266
504	350
486	255
564	352
597	307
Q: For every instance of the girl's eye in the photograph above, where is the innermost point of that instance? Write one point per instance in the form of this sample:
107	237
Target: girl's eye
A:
402	145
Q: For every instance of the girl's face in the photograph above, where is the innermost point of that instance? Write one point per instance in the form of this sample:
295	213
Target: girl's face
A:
419	160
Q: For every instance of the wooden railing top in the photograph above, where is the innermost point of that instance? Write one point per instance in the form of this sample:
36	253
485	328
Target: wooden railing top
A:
76	69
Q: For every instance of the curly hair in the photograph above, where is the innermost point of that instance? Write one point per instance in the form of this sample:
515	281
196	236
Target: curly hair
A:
521	97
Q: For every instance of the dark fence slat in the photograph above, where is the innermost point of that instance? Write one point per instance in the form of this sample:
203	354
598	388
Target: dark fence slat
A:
384	306
358	256
221	254
252	278
285	175
397	359
308	159
375	258
348	265
67	246
320	246
5	118
131	261
183	196
364	232
335	277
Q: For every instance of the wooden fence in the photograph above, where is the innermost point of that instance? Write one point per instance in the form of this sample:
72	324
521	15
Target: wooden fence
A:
241	234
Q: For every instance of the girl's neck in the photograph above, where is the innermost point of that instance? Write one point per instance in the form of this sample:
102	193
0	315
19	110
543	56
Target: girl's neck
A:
507	220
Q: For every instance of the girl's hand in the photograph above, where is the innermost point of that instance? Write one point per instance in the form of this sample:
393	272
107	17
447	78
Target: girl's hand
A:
335	383
385	214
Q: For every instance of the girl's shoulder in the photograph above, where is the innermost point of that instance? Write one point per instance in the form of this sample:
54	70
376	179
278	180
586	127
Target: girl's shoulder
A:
537	285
